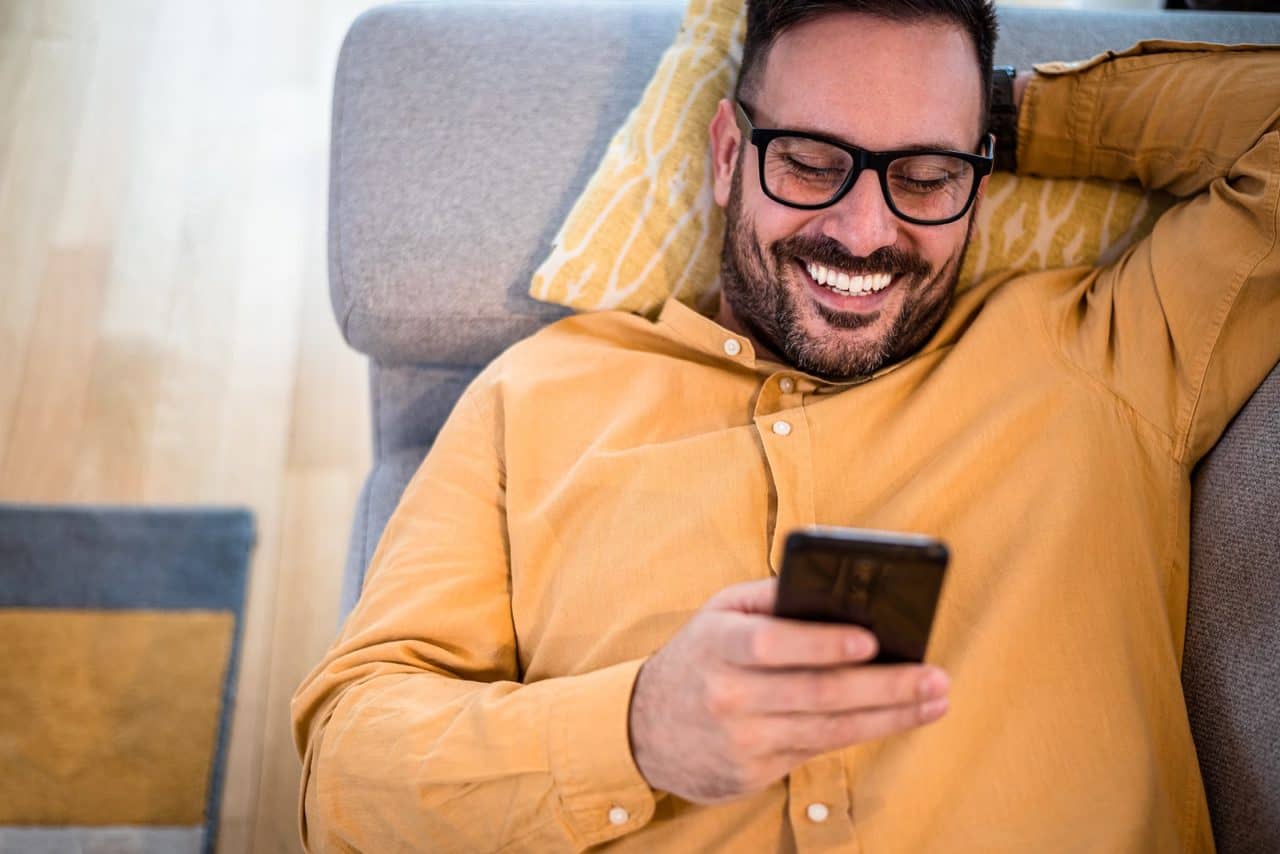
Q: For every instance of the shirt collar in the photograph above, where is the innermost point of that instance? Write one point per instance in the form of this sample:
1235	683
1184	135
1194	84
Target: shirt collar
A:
704	333
709	337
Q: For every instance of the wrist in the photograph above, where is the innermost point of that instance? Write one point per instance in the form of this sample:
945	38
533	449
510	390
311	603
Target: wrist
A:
637	725
1007	88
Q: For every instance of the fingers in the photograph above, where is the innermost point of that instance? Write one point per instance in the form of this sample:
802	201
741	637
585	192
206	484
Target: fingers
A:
828	710
758	641
834	690
749	597
809	735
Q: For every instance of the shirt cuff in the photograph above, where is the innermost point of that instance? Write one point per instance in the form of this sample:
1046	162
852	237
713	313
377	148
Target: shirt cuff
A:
1053	120
602	793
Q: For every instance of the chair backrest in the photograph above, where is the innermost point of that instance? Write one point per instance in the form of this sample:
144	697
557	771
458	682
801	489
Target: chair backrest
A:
464	130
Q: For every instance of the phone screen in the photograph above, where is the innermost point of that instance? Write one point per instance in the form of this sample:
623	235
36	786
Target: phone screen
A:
884	581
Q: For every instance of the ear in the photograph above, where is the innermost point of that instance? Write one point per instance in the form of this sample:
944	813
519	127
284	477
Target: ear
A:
982	194
725	139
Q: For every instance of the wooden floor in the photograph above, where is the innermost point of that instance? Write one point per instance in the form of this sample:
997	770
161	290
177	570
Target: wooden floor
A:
165	332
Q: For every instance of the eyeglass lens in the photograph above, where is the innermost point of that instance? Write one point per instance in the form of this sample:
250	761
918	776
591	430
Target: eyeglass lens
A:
924	186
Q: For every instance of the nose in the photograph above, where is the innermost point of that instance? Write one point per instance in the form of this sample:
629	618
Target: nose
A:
862	221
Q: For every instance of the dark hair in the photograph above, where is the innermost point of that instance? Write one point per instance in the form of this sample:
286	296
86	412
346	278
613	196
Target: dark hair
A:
768	19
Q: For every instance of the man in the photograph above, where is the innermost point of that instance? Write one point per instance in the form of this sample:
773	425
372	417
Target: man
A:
565	636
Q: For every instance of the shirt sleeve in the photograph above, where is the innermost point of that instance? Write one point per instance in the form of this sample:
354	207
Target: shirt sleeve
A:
1186	324
416	732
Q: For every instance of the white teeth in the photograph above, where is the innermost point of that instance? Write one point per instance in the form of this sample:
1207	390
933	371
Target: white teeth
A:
846	284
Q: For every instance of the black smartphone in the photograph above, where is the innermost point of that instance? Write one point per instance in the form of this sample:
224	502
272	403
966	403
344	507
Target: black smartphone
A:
884	581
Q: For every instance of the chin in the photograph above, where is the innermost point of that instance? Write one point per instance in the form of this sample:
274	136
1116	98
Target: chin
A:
841	345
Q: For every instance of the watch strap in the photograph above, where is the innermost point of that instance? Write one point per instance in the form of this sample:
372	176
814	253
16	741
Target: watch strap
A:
1003	119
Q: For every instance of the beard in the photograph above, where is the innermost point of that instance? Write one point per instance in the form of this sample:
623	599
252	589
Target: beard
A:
760	299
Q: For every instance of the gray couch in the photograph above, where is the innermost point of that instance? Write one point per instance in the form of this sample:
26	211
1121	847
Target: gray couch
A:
431	283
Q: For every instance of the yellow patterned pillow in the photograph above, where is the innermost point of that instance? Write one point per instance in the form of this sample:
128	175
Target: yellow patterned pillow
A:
1028	223
647	227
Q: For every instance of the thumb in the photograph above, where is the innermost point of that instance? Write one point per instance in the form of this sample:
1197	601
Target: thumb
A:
749	597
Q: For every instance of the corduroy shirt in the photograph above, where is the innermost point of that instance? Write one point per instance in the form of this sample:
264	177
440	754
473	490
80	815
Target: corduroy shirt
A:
597	483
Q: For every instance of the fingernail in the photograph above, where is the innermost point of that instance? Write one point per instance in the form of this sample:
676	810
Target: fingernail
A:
859	647
933	684
934	709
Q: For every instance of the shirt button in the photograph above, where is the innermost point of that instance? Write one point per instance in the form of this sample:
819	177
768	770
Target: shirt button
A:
782	428
817	812
618	815
732	347
787	385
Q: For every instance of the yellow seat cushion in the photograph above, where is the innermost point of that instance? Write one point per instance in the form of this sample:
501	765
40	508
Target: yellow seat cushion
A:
646	227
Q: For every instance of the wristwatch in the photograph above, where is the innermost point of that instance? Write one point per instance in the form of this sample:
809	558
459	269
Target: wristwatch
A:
1003	120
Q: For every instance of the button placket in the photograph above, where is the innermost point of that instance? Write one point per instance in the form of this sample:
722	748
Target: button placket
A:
819	806
783	431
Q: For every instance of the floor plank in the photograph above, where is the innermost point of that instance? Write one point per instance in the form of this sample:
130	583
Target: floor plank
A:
52	399
47	101
307	580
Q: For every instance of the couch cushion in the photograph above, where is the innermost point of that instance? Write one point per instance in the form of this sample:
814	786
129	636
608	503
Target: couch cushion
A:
418	270
411	402
647	225
1231	665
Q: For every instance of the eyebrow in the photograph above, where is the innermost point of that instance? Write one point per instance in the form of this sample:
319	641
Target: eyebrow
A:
925	145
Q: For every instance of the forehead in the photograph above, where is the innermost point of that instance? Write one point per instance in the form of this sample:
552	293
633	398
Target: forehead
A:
880	84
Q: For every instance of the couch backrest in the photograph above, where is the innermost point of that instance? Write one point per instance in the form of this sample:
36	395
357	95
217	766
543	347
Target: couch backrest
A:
428	276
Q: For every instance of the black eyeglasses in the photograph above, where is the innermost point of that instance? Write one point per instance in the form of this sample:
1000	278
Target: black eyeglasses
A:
809	171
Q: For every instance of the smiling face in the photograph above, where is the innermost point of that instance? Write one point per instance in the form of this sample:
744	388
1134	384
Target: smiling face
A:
845	290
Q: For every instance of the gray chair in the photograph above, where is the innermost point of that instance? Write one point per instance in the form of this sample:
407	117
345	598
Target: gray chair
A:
522	98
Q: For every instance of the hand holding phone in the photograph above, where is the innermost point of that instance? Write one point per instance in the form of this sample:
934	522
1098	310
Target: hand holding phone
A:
738	698
884	581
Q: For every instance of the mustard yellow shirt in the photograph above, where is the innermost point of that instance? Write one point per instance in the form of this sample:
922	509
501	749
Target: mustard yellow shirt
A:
601	480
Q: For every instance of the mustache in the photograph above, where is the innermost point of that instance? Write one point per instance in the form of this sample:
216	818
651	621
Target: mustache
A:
829	252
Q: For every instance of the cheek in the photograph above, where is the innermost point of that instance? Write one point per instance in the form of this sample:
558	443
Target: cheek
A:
942	245
775	223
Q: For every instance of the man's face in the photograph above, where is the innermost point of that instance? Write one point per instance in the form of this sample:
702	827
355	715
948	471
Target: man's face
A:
877	85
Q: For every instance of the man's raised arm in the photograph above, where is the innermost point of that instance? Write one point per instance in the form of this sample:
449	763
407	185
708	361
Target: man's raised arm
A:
1184	326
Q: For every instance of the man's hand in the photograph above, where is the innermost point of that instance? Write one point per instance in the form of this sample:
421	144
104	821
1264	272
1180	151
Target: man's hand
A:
739	697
